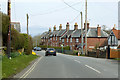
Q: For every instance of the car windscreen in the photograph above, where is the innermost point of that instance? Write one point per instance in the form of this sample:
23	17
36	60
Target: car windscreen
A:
51	49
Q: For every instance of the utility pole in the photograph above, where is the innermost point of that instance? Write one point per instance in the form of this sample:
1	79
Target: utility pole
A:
36	42
82	31
9	30
27	24
86	27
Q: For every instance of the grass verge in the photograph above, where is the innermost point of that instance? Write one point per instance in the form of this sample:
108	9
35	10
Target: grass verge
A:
15	65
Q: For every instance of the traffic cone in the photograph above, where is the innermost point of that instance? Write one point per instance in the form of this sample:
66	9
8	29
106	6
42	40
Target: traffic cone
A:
78	54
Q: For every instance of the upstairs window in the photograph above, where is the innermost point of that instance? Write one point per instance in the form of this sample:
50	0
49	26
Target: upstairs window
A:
70	39
67	40
62	40
56	38
77	40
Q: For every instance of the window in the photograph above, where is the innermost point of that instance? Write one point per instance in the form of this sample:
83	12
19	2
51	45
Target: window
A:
56	38
67	40
51	39
70	39
62	40
77	40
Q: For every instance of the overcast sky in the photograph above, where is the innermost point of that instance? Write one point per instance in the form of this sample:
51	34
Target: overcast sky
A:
47	13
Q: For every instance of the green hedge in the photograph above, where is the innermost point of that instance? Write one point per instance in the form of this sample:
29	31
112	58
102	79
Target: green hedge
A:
45	46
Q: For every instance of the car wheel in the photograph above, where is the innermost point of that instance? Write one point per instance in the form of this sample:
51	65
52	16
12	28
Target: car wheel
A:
54	54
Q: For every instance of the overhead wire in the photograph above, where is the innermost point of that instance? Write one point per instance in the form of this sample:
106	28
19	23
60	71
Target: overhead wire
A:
53	11
71	6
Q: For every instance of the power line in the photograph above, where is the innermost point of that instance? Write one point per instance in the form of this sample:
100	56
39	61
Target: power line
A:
53	11
71	6
75	18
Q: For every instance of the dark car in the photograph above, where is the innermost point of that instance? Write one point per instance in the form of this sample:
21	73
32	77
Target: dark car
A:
38	49
50	51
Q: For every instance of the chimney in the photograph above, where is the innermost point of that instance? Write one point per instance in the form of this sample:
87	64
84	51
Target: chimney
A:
49	29
60	27
114	27
55	28
75	26
99	31
67	26
87	25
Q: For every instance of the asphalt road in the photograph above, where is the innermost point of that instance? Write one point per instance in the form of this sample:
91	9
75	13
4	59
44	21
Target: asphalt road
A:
67	66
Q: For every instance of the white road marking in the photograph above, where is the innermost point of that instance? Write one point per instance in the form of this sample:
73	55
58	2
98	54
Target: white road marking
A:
31	68
93	69
77	61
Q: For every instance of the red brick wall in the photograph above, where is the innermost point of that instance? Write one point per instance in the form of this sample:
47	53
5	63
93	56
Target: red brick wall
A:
92	42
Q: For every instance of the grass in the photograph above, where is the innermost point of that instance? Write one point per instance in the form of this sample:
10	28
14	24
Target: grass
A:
15	65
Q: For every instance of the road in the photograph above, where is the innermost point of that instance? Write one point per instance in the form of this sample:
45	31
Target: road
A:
68	66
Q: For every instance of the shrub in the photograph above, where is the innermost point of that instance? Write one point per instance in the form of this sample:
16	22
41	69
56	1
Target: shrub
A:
28	44
14	54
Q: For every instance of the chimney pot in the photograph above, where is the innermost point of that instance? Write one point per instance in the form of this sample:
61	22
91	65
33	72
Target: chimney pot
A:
75	26
55	28
60	27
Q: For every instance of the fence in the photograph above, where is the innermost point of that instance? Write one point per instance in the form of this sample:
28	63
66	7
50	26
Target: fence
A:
114	53
98	54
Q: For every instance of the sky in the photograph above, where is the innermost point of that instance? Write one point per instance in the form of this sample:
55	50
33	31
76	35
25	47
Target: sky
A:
44	14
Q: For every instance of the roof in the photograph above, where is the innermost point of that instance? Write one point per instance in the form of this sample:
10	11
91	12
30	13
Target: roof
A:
54	33
46	34
43	34
68	33
116	33
61	32
92	32
77	33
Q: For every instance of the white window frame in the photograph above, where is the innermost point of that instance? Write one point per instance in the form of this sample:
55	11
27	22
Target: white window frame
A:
77	40
67	40
70	39
56	38
62	40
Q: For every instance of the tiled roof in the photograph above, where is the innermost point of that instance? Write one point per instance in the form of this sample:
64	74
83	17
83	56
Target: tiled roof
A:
77	33
61	32
54	33
68	33
92	32
43	34
116	33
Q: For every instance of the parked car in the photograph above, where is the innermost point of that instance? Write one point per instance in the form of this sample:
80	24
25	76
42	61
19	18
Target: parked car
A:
50	51
38	49
34	48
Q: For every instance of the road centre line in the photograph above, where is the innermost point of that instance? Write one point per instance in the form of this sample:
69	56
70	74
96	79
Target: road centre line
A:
31	68
93	69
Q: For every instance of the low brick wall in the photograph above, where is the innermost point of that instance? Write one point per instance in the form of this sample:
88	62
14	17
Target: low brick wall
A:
114	53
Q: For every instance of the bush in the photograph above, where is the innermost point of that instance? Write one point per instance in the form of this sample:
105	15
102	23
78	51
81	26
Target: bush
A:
28	44
14	54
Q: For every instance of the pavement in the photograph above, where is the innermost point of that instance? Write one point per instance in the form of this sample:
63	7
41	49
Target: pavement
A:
68	66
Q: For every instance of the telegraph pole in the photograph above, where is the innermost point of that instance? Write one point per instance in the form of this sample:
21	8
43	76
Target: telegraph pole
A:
27	24
82	31
9	30
86	27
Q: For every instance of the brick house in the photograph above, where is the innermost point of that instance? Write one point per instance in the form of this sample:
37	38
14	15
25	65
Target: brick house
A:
114	38
72	38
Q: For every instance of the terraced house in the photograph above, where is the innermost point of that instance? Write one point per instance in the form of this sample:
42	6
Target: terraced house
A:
72	38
